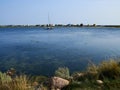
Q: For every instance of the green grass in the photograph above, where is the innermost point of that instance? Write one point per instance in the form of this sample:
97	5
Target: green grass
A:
107	71
19	83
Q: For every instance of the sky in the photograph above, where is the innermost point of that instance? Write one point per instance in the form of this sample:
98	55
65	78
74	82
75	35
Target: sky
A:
102	12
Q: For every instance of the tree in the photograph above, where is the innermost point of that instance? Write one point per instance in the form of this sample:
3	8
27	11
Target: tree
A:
81	24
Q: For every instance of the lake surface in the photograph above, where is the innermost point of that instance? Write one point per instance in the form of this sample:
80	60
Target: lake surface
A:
39	51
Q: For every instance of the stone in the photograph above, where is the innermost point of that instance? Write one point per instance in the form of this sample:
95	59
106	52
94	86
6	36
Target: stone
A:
57	83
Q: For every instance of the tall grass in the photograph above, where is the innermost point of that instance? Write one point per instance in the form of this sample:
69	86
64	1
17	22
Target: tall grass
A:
4	81
106	69
18	83
108	72
4	78
109	69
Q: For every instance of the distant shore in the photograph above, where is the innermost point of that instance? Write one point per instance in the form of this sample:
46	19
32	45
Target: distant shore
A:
59	25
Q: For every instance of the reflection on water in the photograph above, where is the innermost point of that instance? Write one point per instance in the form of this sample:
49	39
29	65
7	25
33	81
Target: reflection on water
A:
39	51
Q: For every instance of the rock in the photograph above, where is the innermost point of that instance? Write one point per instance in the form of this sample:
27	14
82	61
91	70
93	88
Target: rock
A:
57	83
100	82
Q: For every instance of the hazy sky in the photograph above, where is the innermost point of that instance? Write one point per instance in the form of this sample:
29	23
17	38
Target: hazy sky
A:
60	11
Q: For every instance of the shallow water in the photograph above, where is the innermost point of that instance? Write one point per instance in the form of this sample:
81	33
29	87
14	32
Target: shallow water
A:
40	51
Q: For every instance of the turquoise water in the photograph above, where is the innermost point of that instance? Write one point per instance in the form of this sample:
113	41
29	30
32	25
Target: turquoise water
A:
39	51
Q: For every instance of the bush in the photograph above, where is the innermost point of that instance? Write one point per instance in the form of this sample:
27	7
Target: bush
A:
62	72
39	79
109	69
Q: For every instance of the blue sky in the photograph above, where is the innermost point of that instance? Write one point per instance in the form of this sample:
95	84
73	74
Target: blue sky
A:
60	11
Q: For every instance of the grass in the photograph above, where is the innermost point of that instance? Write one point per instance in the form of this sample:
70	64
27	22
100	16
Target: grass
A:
106	71
109	69
19	83
22	82
4	78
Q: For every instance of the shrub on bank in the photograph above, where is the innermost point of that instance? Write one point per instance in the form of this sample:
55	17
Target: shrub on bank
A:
62	72
109	69
107	72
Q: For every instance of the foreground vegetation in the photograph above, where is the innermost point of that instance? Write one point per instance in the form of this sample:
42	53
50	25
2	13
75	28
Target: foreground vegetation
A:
105	76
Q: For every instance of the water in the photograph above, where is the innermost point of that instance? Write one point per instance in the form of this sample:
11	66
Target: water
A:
41	52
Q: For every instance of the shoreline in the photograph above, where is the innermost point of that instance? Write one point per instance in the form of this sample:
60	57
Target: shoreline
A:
57	25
